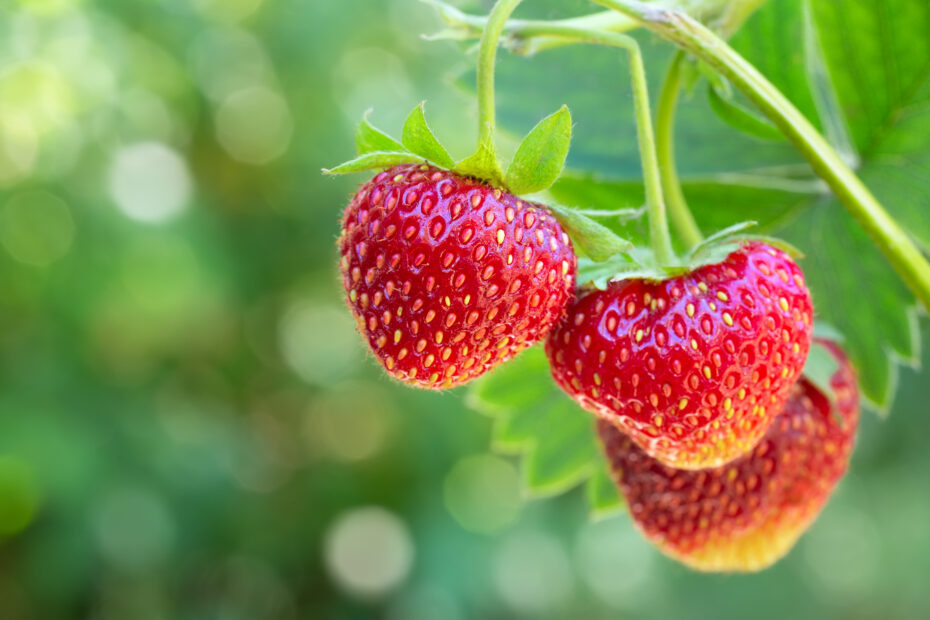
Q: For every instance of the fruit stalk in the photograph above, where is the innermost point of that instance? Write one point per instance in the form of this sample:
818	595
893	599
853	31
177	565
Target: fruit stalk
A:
559	33
691	35
665	143
485	159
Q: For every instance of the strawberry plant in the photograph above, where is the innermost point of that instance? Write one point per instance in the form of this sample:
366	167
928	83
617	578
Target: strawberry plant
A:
678	309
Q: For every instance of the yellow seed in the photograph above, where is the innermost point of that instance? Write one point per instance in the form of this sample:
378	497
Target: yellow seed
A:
728	319
694	344
727	404
783	303
682	403
722	296
690	310
707	371
500	237
639	335
353	295
397	336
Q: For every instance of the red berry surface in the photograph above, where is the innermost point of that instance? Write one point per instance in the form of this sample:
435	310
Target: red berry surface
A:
694	368
448	277
747	514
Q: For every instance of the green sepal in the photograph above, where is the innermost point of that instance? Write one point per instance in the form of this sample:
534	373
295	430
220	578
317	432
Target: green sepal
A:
741	118
616	268
370	139
604	499
594	239
377	160
540	158
483	165
418	138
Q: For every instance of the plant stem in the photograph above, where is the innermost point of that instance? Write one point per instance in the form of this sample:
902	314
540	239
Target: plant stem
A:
690	35
655	204
678	209
487	56
658	223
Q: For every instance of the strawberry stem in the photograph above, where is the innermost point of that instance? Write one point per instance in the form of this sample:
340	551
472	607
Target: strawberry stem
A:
484	163
655	204
665	137
559	33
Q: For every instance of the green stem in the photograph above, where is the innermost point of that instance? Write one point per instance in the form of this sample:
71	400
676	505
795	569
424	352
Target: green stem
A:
690	35
658	223
655	204
678	209
487	56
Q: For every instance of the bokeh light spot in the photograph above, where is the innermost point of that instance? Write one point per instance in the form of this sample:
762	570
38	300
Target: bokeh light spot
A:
149	182
36	228
351	422
134	529
613	547
319	342
368	552
254	125
483	493
532	573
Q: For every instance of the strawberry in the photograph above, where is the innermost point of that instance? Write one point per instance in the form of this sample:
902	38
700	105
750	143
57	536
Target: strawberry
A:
745	515
448	277
695	367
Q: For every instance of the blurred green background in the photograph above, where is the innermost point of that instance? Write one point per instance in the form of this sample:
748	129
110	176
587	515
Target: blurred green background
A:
189	426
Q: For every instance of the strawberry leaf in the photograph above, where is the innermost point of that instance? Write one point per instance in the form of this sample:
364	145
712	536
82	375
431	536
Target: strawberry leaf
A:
418	138
593	238
534	418
374	161
820	367
541	155
370	139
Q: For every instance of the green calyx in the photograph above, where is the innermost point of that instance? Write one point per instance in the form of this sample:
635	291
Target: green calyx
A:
641	263
537	164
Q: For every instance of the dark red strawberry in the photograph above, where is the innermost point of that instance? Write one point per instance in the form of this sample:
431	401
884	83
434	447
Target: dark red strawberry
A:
693	368
745	515
448	277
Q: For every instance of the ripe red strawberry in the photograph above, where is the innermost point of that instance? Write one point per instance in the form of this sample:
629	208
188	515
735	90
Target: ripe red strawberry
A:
745	515
448	277
694	368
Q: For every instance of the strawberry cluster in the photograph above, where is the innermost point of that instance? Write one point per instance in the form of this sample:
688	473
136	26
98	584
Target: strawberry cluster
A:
723	449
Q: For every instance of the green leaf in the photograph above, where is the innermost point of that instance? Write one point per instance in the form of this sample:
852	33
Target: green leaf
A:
741	118
418	138
369	139
533	417
603	495
877	56
541	155
593	238
373	161
856	290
